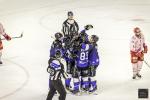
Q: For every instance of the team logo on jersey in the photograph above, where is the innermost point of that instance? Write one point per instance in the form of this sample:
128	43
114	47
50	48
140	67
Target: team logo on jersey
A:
143	93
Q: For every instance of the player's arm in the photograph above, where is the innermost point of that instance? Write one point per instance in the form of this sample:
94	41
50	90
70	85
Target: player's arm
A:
144	46
64	74
2	31
77	26
64	28
48	68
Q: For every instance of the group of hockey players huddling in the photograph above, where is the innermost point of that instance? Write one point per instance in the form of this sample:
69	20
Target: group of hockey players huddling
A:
80	53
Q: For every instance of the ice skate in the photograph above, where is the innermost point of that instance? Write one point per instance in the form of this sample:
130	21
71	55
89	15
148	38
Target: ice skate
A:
1	62
75	92
134	77
68	88
138	75
93	91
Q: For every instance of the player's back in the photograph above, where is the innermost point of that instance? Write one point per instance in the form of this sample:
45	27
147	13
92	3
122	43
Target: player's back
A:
93	56
82	56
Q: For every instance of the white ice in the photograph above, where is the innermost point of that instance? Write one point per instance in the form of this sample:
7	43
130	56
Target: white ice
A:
23	75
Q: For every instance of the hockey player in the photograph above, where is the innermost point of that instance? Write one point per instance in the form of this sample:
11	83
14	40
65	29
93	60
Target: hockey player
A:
137	49
72	51
7	37
84	34
69	60
70	26
56	70
58	36
71	44
67	42
82	67
93	63
57	44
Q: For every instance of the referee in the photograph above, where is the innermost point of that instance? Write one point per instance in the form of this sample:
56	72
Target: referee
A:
56	70
70	26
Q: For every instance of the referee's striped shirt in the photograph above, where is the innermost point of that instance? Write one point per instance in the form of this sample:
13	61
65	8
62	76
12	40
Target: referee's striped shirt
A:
70	28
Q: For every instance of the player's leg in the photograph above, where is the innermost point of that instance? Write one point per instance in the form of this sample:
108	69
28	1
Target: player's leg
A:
92	80
85	79
61	90
134	61
135	70
1	57
69	72
67	81
51	91
76	81
49	83
139	66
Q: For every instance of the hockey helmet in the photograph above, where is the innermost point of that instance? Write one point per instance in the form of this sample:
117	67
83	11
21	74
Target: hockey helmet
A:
57	44
58	35
94	38
58	54
136	30
70	13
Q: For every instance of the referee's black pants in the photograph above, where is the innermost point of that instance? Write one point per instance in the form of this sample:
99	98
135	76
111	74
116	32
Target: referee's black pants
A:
56	85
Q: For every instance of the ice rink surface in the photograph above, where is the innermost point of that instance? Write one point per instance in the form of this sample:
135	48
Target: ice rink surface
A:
23	75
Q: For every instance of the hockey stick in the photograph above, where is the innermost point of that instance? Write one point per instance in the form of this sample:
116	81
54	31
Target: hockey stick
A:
21	35
146	63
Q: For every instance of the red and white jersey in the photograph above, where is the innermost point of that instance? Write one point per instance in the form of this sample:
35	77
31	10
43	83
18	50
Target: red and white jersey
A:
137	43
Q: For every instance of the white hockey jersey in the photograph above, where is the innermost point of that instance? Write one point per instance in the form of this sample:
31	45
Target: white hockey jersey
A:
137	43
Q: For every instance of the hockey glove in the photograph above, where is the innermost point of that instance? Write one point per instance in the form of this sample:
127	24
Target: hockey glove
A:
48	69
7	37
51	71
145	48
89	26
92	68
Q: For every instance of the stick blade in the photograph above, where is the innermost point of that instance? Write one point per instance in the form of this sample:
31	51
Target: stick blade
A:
21	35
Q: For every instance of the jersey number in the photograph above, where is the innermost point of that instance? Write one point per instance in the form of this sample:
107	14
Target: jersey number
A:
84	56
